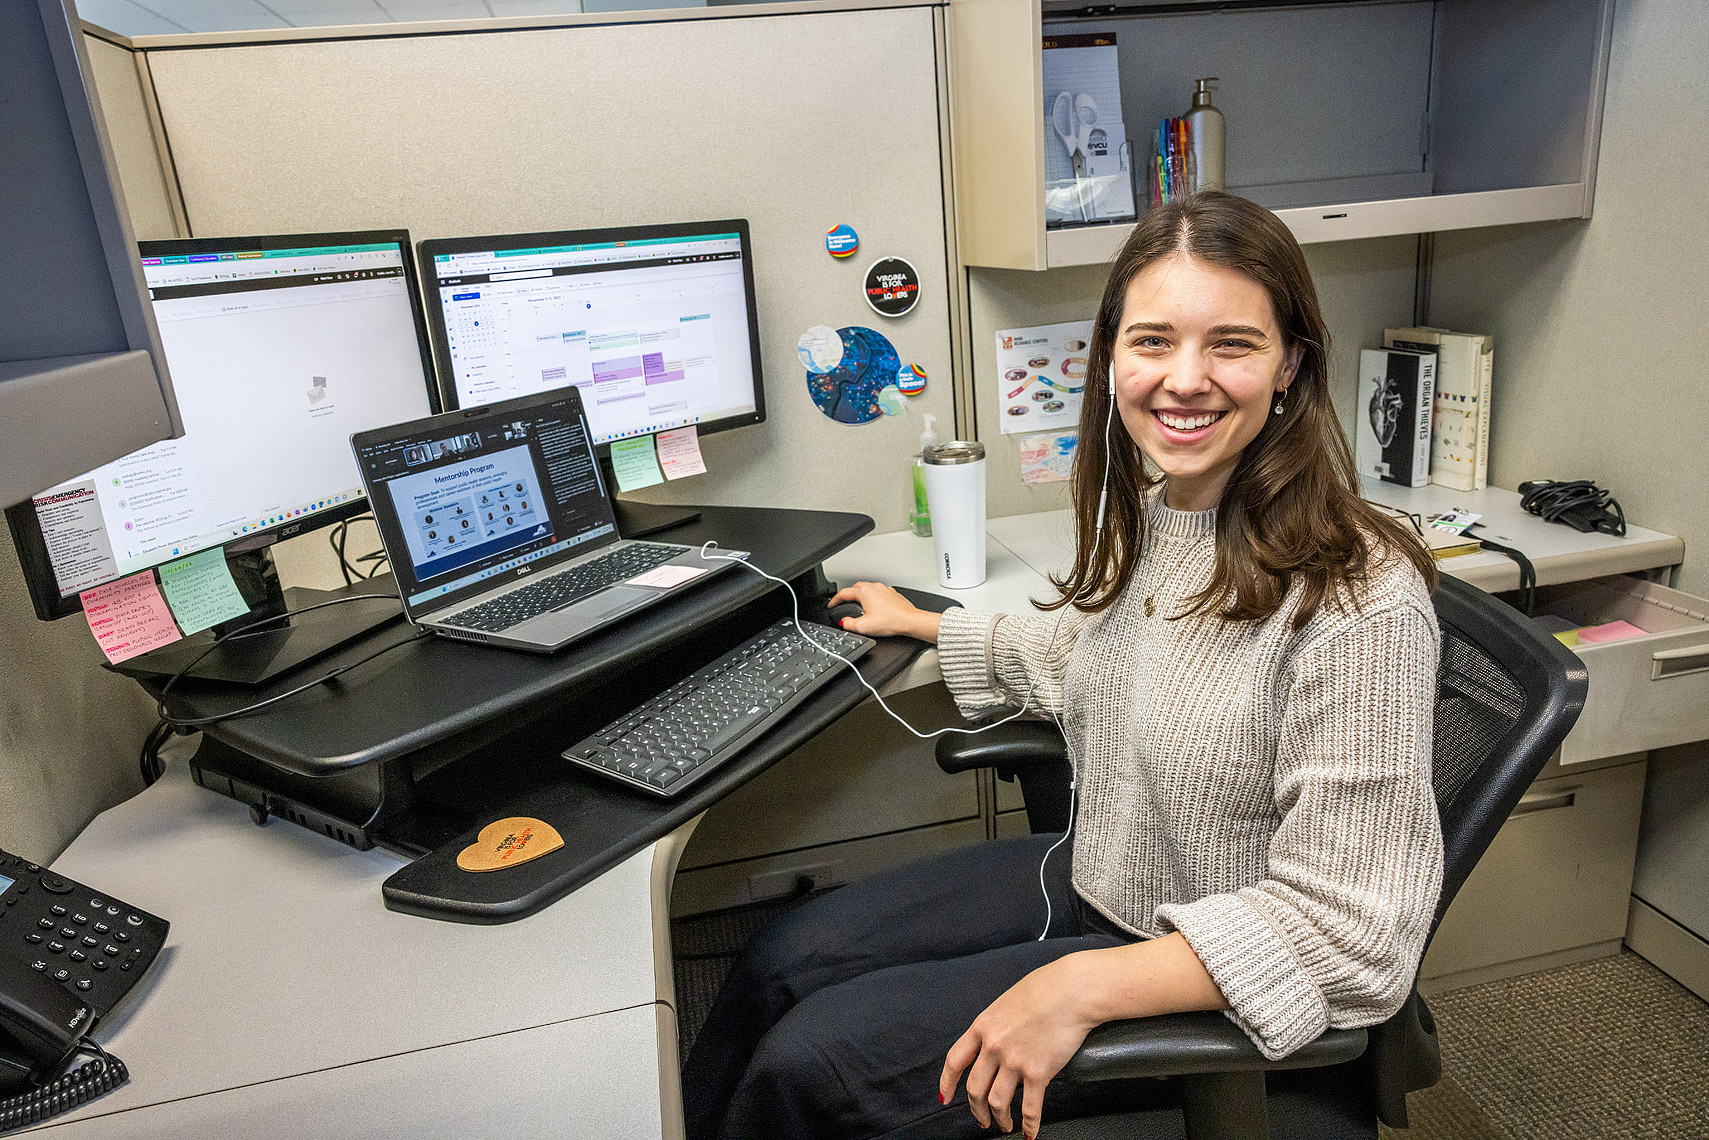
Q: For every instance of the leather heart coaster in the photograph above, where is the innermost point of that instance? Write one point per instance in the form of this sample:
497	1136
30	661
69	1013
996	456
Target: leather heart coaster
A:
509	843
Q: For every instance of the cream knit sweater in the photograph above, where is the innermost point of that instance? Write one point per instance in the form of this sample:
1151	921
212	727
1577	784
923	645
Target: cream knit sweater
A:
1265	791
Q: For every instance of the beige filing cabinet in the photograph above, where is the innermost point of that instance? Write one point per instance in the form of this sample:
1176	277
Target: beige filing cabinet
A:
1555	885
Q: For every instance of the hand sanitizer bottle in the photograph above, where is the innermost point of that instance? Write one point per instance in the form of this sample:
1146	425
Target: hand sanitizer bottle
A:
921	516
1207	139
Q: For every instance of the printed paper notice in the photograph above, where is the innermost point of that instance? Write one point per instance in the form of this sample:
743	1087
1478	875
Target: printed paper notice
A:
635	463
1048	456
1041	373
76	536
201	592
679	452
665	577
129	617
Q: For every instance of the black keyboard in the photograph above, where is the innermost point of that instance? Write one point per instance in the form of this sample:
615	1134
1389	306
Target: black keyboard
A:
564	587
688	731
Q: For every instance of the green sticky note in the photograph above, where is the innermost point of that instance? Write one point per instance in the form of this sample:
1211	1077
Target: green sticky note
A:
200	591
636	463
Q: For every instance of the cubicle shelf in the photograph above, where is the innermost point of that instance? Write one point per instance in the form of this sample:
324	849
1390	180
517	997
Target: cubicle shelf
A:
1349	120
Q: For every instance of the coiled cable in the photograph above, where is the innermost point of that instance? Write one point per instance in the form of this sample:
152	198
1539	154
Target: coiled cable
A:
1578	503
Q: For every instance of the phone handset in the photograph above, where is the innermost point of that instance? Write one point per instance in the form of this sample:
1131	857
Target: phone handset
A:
41	1026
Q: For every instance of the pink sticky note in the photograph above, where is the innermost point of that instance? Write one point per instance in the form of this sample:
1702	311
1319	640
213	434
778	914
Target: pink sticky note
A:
129	617
1612	631
679	452
664	577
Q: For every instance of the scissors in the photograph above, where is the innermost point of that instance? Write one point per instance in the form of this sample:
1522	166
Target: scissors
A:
1074	116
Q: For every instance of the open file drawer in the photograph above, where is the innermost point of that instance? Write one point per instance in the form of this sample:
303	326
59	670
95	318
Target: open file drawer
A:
1645	692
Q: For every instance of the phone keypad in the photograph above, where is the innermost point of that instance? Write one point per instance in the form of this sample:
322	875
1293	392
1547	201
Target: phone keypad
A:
74	935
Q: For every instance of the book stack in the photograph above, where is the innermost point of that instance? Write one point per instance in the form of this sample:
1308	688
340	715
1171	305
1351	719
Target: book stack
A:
1459	437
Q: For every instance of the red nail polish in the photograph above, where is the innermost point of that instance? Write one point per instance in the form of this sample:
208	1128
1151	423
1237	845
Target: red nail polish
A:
844	622
942	1099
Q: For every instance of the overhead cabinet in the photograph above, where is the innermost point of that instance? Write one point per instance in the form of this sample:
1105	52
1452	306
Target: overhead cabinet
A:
1350	120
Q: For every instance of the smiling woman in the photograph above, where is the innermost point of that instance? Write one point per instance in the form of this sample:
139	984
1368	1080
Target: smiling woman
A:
1210	312
1243	666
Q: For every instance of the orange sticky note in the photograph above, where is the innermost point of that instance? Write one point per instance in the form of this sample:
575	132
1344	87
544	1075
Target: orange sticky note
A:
129	617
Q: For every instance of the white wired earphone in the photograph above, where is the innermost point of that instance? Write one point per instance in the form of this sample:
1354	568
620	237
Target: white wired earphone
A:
1073	761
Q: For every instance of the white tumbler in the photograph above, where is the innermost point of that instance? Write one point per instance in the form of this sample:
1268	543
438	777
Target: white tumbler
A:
955	494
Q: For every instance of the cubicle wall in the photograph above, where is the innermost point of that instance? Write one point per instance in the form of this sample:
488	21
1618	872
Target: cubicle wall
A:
797	122
138	147
70	731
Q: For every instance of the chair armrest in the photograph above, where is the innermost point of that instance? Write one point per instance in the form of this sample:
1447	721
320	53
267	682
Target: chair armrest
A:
1012	746
1178	1044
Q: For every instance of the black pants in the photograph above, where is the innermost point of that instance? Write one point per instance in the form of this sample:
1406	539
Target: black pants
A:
836	1018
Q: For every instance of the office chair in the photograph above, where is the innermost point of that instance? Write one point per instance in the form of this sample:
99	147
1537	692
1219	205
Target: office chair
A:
1506	696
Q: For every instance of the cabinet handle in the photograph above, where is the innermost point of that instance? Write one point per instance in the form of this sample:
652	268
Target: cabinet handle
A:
1533	802
1678	662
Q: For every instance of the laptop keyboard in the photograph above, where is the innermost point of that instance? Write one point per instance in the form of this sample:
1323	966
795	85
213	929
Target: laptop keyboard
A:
564	587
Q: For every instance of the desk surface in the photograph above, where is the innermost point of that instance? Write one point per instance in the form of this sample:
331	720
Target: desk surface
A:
1560	554
281	962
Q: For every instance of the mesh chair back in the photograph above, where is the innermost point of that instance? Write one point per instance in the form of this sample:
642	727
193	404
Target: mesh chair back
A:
1507	694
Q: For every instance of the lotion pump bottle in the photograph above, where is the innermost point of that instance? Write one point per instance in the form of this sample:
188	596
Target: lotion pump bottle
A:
921	516
1207	139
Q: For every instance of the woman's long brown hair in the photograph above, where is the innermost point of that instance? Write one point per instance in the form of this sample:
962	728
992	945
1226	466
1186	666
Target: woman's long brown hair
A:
1292	509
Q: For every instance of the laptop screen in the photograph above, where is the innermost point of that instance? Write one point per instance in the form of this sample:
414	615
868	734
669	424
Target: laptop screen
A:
462	498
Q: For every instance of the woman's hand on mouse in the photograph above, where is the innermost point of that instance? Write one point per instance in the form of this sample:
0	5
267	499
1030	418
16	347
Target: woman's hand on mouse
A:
886	613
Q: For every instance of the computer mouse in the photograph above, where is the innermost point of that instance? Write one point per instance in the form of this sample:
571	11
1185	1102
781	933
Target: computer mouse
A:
836	614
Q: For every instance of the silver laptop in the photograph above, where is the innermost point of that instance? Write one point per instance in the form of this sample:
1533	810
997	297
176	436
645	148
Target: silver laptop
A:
499	527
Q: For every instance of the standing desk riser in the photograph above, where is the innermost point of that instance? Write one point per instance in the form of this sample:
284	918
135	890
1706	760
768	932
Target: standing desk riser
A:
418	750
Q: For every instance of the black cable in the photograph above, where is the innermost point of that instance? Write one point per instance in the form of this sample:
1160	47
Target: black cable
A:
149	761
335	539
253	630
1578	503
83	1084
339	536
1527	572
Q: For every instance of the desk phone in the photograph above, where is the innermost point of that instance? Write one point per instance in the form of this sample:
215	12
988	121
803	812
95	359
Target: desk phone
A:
68	955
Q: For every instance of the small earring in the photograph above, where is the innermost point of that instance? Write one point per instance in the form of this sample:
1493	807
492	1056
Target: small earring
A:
1279	397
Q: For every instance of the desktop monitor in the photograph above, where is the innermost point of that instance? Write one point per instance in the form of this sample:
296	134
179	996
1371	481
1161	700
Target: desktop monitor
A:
656	325
280	349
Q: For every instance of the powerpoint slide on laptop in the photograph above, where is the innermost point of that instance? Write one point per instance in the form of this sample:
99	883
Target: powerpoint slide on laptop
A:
467	505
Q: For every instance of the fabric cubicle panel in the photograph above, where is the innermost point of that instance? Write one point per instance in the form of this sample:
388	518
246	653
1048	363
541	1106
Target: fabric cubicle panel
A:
1363	286
70	730
131	131
797	122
